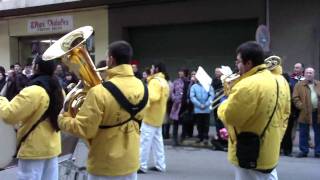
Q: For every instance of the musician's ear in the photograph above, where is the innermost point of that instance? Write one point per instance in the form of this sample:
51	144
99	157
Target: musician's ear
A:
111	61
249	64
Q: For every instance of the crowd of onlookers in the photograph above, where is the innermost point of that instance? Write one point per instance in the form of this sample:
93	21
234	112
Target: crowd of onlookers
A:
189	104
18	77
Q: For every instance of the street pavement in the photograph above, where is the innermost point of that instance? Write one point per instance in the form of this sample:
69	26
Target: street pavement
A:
185	163
190	163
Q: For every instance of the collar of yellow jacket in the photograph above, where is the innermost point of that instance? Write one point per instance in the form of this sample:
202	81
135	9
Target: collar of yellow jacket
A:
160	74
254	70
121	70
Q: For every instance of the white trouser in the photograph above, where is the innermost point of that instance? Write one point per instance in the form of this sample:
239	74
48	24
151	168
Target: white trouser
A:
38	169
247	174
132	176
151	138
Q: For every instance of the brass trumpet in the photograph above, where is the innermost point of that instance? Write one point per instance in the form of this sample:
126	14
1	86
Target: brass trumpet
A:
71	48
272	62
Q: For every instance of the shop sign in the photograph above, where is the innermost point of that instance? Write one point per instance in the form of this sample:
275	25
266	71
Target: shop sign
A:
50	24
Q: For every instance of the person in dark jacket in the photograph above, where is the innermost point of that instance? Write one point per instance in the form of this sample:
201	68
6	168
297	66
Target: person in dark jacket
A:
2	79
219	143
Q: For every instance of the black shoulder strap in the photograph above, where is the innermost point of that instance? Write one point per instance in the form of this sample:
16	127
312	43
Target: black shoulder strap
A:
124	103
43	117
274	110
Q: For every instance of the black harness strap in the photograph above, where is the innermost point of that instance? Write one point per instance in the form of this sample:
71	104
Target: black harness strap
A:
43	117
132	109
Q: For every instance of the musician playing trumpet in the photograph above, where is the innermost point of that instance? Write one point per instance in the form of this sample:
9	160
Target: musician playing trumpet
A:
254	113
36	109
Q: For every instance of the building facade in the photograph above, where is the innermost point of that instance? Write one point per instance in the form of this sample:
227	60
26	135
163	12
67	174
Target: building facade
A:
181	33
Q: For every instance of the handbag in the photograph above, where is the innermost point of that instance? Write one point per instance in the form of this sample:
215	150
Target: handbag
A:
248	143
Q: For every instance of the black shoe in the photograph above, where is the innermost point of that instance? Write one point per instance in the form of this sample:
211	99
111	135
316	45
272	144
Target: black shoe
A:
217	145
317	155
301	155
155	169
141	172
289	154
206	142
175	143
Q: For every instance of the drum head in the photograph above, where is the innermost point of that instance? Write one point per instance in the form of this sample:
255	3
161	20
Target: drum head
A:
8	143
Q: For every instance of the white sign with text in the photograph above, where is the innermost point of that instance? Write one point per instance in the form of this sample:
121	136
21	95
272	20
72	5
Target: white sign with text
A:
50	24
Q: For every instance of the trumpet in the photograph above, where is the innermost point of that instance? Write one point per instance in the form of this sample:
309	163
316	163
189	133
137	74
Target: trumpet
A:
229	81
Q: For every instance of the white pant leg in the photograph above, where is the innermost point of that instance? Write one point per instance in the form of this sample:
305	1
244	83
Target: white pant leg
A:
30	169
247	174
132	176
158	150
50	169
274	175
147	134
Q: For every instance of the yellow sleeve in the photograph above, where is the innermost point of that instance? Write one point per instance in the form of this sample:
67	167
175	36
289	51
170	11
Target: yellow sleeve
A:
86	123
20	107
154	88
233	111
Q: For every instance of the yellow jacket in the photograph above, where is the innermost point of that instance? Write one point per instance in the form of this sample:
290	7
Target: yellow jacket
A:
284	109
249	107
113	151
158	97
25	109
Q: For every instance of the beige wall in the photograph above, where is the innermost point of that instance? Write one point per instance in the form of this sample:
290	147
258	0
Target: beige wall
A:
4	45
17	27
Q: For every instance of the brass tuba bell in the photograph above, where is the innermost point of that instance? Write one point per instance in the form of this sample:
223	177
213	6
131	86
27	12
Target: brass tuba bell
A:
272	62
72	50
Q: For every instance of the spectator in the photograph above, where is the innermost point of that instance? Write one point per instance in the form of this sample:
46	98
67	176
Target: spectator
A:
306	99
137	73
27	71
21	80
219	143
201	100
2	79
179	102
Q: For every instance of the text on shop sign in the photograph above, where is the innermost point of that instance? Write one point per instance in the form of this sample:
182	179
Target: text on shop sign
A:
51	24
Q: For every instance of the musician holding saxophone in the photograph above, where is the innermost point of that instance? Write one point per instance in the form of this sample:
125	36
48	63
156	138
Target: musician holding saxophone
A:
108	119
36	110
254	114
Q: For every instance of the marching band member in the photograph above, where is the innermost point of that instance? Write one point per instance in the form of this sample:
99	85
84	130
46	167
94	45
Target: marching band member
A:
36	110
110	129
151	128
253	114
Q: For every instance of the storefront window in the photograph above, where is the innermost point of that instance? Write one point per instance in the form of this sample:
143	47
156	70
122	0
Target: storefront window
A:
29	47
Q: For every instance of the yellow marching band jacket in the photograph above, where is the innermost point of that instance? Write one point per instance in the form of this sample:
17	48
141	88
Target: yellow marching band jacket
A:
109	148
248	109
